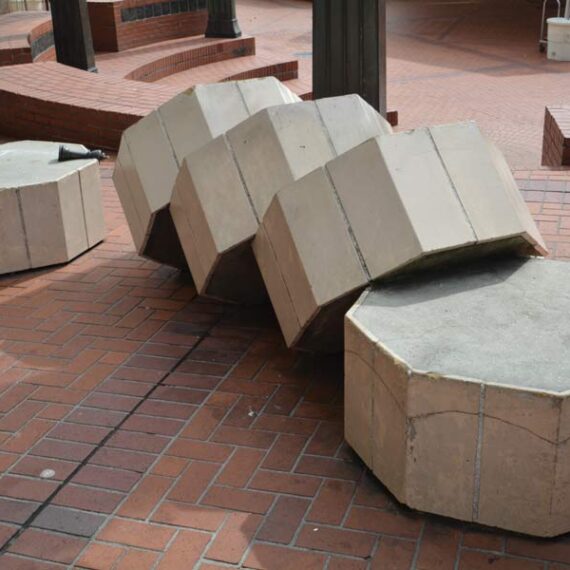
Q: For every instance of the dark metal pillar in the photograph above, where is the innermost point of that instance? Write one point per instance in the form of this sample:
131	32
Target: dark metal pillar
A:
72	34
222	21
349	50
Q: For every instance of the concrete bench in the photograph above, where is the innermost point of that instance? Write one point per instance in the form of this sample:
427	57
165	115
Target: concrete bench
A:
50	211
153	150
457	392
224	189
395	204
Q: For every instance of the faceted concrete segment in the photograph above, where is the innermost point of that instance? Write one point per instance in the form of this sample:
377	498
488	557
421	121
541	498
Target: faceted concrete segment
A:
393	204
50	211
225	188
456	394
153	149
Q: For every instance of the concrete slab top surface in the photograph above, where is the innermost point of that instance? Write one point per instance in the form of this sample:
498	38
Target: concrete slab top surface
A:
505	322
26	163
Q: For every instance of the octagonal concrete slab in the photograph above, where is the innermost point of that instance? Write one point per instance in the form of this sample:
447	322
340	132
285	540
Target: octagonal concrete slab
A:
457	392
224	189
153	149
50	211
393	205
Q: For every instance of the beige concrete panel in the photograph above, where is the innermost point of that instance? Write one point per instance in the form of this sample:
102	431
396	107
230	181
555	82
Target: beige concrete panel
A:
373	205
195	117
13	251
277	146
315	222
133	184
537	413
90	183
43	223
442	450
430	394
154	161
223	199
199	249
395	373
72	215
358	388
273	278
265	92
426	191
339	115
290	266
389	438
517	201
483	191
442	444
356	340
516	479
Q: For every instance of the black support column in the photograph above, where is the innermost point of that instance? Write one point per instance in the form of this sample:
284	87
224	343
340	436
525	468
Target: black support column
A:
349	50
72	34
222	21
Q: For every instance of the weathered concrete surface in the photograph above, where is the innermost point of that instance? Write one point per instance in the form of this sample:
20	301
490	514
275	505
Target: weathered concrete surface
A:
153	149
457	392
392	205
50	211
224	189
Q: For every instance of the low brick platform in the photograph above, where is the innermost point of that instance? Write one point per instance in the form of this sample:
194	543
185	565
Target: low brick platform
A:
25	37
556	143
57	102
118	25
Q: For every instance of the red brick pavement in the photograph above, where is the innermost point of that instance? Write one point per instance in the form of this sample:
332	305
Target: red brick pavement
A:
182	434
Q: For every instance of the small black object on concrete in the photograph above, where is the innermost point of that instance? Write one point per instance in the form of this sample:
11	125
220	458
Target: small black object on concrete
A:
66	154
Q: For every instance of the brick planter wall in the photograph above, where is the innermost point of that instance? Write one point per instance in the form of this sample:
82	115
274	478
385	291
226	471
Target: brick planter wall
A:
123	24
556	142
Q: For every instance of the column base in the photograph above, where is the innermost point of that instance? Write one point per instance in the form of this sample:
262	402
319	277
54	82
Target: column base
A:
223	29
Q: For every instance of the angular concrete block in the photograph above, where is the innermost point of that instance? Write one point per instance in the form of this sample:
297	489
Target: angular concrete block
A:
404	202
153	150
51	211
225	188
476	428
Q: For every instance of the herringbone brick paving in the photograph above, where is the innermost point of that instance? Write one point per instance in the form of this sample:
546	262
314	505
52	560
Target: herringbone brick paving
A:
182	434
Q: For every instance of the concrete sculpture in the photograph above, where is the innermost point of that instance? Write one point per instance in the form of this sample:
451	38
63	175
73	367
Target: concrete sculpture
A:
153	149
456	394
50	211
392	205
224	189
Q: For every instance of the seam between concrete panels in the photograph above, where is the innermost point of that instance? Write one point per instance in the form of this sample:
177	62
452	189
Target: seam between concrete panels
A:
242	178
23	223
337	197
243	99
167	135
478	452
556	449
348	226
457	196
83	208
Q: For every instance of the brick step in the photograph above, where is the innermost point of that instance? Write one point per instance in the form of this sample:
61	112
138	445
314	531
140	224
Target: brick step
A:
25	37
265	64
151	63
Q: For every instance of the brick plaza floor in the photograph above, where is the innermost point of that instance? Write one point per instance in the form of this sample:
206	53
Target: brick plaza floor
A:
183	435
